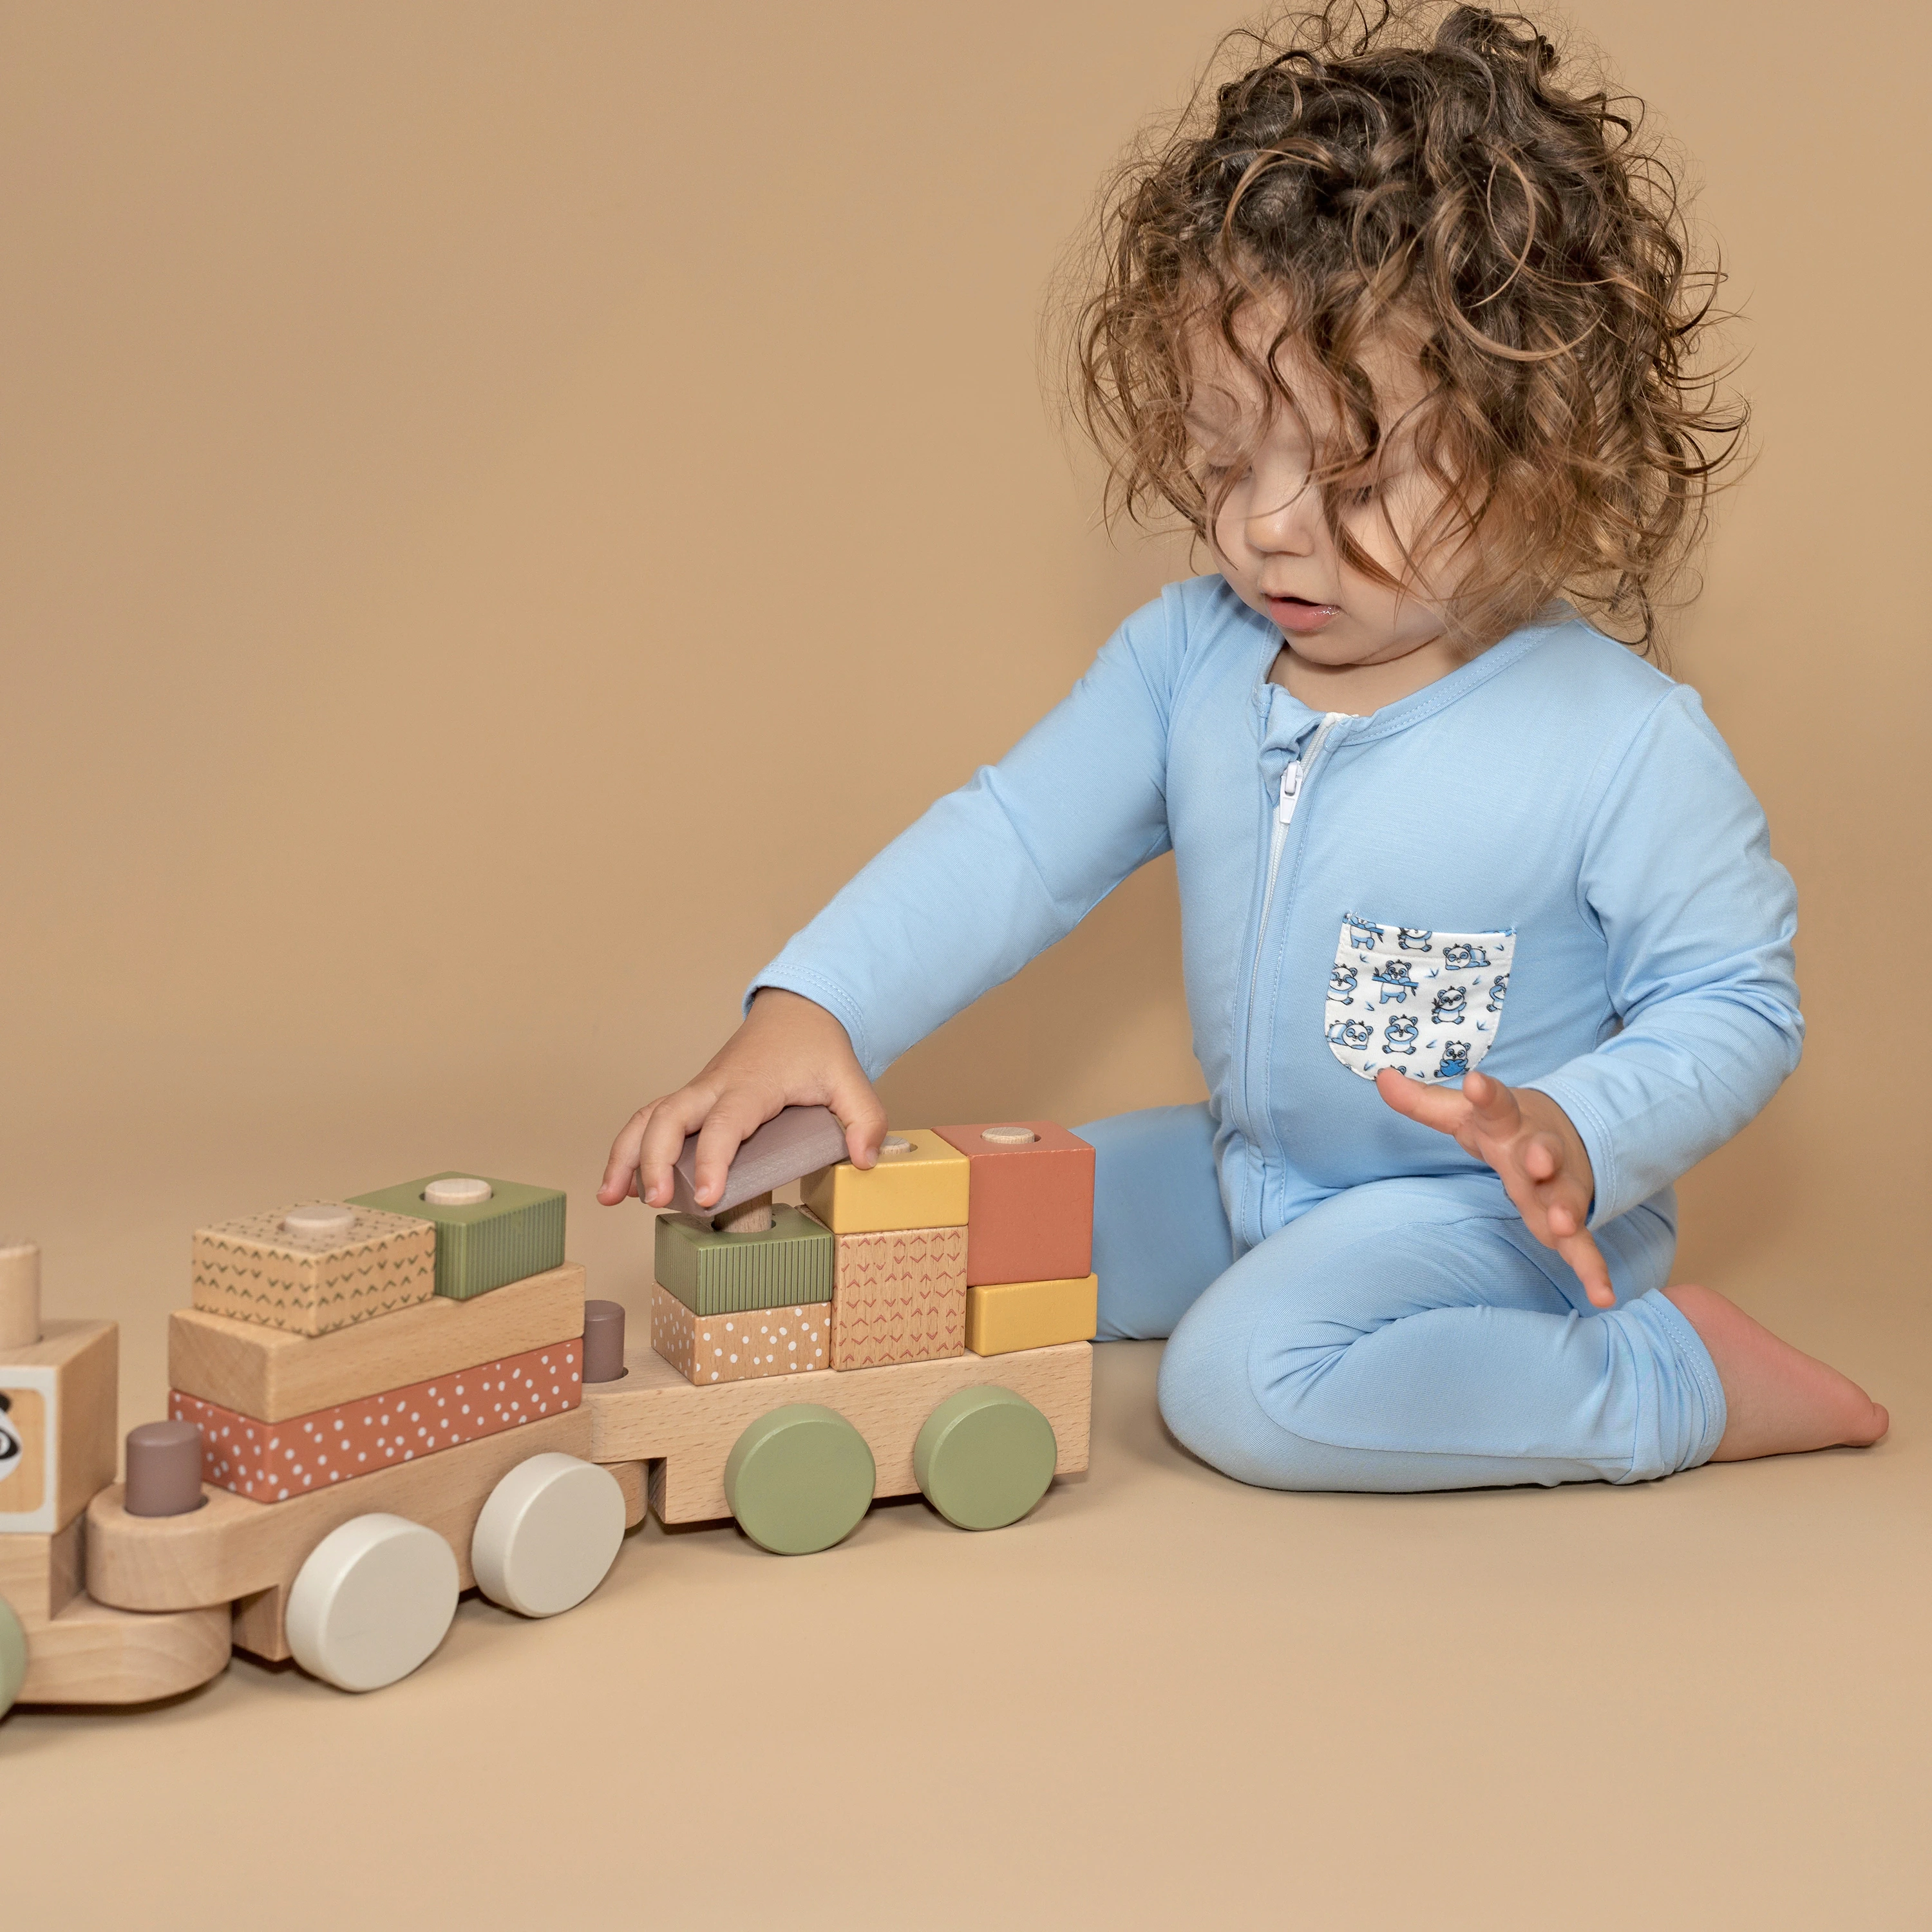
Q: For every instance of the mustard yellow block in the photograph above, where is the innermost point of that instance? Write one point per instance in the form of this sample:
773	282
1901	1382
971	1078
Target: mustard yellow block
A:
1031	1314
925	1186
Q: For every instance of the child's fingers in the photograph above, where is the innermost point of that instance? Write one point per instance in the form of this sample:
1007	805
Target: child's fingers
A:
1441	1108
672	1119
1496	1114
620	1171
1580	1250
737	1114
857	1109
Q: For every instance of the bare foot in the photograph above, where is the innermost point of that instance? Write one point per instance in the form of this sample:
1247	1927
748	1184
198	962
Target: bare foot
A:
1777	1399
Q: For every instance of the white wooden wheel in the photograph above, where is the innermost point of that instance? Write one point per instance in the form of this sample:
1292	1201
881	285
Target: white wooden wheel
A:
548	1535
373	1601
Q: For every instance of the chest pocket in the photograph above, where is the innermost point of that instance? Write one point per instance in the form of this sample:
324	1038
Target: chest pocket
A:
1427	1003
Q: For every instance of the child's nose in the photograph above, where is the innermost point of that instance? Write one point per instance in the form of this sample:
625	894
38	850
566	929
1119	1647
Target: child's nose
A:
1289	517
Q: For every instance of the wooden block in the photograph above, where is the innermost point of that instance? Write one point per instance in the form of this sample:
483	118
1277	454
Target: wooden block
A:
19	1295
708	1348
91	1654
791	1143
260	1625
272	1374
630	1480
231	1548
898	1298
788	1265
1033	1201
259	1269
922	1184
655	1413
272	1462
1015	1314
480	1245
40	1572
59	1424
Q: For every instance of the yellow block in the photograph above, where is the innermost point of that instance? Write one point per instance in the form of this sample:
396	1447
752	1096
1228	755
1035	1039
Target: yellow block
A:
925	1186
1031	1314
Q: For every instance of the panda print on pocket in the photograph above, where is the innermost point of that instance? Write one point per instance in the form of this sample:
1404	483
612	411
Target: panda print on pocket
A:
1427	1003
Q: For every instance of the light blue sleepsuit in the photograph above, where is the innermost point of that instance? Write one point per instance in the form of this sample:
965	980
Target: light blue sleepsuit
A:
1547	863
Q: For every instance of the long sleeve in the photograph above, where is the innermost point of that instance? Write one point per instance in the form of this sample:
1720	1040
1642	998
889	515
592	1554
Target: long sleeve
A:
995	872
1698	918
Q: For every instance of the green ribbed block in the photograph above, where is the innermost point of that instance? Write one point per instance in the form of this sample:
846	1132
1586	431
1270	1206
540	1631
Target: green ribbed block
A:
517	1231
786	1265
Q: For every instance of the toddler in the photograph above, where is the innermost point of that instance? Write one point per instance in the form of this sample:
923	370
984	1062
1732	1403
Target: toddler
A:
1484	944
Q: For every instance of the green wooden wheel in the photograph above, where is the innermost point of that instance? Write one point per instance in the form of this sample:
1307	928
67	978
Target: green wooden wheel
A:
984	1457
13	1656
798	1479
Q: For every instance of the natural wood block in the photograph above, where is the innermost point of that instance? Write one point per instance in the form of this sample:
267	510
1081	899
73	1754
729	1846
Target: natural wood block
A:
91	1654
630	1480
737	1348
481	1245
792	1142
655	1413
899	1297
40	1571
921	1183
1018	1315
272	1462
260	1625
1032	1218
272	1375
19	1295
231	1547
59	1424
255	1270
788	1265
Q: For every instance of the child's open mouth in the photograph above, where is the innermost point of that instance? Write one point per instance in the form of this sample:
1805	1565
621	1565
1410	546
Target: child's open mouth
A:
1298	615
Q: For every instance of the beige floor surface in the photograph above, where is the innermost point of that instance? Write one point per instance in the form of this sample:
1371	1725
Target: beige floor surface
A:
1165	1699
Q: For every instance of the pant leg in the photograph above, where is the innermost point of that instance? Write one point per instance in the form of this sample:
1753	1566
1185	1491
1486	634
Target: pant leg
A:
1411	1334
1160	1233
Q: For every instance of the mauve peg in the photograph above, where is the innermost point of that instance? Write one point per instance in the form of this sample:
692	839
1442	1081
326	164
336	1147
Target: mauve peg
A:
164	1469
603	1341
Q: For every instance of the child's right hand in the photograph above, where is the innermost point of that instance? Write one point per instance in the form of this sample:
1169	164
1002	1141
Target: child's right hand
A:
790	1052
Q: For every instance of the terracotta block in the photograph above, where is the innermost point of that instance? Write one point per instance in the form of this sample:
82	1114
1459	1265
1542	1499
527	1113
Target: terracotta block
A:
737	1348
898	1298
271	1462
59	1424
1032	1217
1005	1316
920	1182
786	1265
514	1231
257	1269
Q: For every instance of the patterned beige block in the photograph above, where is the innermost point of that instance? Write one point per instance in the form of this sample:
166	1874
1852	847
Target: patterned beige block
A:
899	1297
254	1270
706	1348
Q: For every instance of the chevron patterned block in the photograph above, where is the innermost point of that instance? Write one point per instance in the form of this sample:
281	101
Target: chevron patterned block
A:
254	1269
898	1298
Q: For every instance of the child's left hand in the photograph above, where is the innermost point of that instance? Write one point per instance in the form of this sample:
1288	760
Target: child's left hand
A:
1529	1141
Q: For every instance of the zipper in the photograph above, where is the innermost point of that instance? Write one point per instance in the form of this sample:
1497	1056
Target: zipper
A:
1295	777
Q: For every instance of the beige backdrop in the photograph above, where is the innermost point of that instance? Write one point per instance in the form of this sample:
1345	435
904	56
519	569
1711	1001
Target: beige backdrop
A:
506	507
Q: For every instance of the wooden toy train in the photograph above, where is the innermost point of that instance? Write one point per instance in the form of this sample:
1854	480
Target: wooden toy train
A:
378	1402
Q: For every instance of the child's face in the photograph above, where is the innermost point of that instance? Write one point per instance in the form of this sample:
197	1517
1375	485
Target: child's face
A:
1270	538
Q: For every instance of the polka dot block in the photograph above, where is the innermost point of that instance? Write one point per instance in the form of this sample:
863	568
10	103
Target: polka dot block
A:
269	1461
707	1348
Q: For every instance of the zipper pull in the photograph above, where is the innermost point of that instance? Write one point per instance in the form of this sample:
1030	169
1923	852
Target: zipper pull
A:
1290	790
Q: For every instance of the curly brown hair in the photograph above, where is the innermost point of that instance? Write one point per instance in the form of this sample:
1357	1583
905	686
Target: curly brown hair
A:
1378	171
